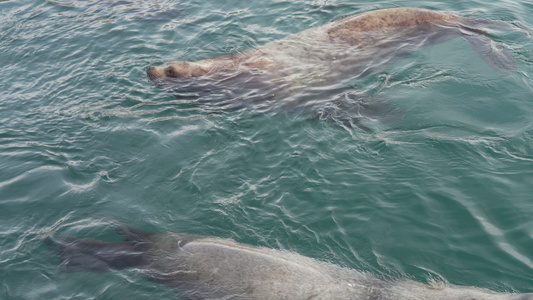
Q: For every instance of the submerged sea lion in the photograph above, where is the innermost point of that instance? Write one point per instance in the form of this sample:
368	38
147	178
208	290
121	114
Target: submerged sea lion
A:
204	267
307	61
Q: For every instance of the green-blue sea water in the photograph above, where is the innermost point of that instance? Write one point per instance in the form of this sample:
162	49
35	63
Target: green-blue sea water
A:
441	188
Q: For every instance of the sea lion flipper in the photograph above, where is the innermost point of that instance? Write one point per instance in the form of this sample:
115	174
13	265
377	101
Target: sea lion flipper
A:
90	255
128	233
499	58
131	234
495	55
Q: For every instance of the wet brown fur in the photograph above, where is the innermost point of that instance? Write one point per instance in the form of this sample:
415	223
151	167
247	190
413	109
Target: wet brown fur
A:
347	30
391	17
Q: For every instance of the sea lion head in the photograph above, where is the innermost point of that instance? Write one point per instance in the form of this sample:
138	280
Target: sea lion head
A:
177	69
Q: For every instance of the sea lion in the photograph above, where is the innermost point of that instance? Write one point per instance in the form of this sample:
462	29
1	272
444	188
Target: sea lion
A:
306	63
206	267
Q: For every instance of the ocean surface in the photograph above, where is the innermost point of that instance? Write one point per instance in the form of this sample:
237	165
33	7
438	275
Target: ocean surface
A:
435	185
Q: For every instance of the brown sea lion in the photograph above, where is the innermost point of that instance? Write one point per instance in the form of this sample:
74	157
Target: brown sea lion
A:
311	70
355	45
205	267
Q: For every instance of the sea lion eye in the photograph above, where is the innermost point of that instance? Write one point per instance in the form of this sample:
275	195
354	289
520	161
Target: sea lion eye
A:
170	72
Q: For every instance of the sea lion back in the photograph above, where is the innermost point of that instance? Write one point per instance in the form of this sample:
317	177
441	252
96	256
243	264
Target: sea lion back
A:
390	18
213	268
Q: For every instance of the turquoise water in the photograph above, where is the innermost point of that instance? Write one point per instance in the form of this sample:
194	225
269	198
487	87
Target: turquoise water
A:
438	188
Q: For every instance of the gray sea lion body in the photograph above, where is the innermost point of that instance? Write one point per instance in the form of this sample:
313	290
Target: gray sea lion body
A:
204	267
349	48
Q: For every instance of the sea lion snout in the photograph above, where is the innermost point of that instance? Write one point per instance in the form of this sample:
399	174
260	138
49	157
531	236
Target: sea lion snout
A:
154	73
171	71
177	69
